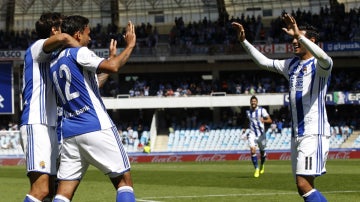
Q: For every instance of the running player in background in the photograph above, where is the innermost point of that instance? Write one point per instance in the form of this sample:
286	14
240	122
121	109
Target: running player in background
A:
308	74
257	117
89	135
38	119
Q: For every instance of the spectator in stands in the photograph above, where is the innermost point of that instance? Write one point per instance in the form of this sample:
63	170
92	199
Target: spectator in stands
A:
132	135
308	74
257	118
345	131
204	128
273	128
279	125
4	139
147	148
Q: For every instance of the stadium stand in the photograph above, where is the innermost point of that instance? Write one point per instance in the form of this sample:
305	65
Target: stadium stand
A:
167	60
235	139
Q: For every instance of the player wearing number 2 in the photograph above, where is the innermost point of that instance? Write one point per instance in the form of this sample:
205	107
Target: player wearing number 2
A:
89	135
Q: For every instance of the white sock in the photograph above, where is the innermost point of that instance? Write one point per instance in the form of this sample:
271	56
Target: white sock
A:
32	198
61	197
123	188
310	192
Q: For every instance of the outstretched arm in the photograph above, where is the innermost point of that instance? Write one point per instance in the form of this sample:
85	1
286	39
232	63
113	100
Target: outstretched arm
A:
260	59
324	59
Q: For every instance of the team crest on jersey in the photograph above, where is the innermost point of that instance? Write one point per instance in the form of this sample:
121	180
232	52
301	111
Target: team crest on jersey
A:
42	164
304	69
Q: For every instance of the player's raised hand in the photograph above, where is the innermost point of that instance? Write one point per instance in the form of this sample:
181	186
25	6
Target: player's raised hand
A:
112	48
240	31
130	36
291	26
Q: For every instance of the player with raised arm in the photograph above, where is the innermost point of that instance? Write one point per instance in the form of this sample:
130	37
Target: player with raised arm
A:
308	74
38	119
257	117
89	135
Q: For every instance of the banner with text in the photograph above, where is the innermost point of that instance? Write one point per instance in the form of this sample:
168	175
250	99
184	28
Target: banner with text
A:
335	98
6	89
205	157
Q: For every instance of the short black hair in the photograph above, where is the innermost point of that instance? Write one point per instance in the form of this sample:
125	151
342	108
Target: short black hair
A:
46	22
74	23
311	31
253	97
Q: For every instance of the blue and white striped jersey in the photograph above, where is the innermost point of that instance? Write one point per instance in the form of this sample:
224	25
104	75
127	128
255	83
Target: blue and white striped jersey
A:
308	84
256	126
38	94
74	75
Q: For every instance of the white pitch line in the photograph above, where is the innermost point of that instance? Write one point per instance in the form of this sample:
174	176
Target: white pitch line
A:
145	199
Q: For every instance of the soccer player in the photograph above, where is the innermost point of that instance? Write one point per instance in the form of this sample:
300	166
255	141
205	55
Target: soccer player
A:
89	135
38	119
257	117
308	74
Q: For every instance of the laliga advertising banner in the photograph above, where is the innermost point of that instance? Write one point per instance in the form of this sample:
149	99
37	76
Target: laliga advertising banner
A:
6	89
335	98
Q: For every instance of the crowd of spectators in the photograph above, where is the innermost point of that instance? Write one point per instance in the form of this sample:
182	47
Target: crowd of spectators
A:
9	138
343	119
241	82
333	23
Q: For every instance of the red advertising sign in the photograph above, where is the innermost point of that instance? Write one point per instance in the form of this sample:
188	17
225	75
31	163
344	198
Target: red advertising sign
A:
205	157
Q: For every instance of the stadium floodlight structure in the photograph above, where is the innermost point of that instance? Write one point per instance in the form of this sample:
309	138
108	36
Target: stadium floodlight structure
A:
22	14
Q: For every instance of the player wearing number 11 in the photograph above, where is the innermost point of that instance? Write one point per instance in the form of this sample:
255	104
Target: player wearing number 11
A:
89	135
308	75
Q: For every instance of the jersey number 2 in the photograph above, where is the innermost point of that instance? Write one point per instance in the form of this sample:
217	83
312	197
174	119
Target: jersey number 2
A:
64	72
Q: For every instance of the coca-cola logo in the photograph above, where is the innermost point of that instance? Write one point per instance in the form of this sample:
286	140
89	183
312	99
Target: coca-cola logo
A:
245	157
215	157
21	162
285	156
133	159
339	155
165	159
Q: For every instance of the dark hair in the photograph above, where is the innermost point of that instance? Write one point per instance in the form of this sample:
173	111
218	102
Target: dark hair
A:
311	32
46	22
253	97
74	23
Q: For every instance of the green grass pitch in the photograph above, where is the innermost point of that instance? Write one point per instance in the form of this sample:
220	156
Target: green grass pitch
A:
203	182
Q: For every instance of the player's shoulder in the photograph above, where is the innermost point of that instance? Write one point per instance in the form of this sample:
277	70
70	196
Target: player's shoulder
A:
35	51
73	51
84	51
36	45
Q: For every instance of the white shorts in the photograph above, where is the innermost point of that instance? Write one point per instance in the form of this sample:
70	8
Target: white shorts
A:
259	141
309	155
102	149
40	146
